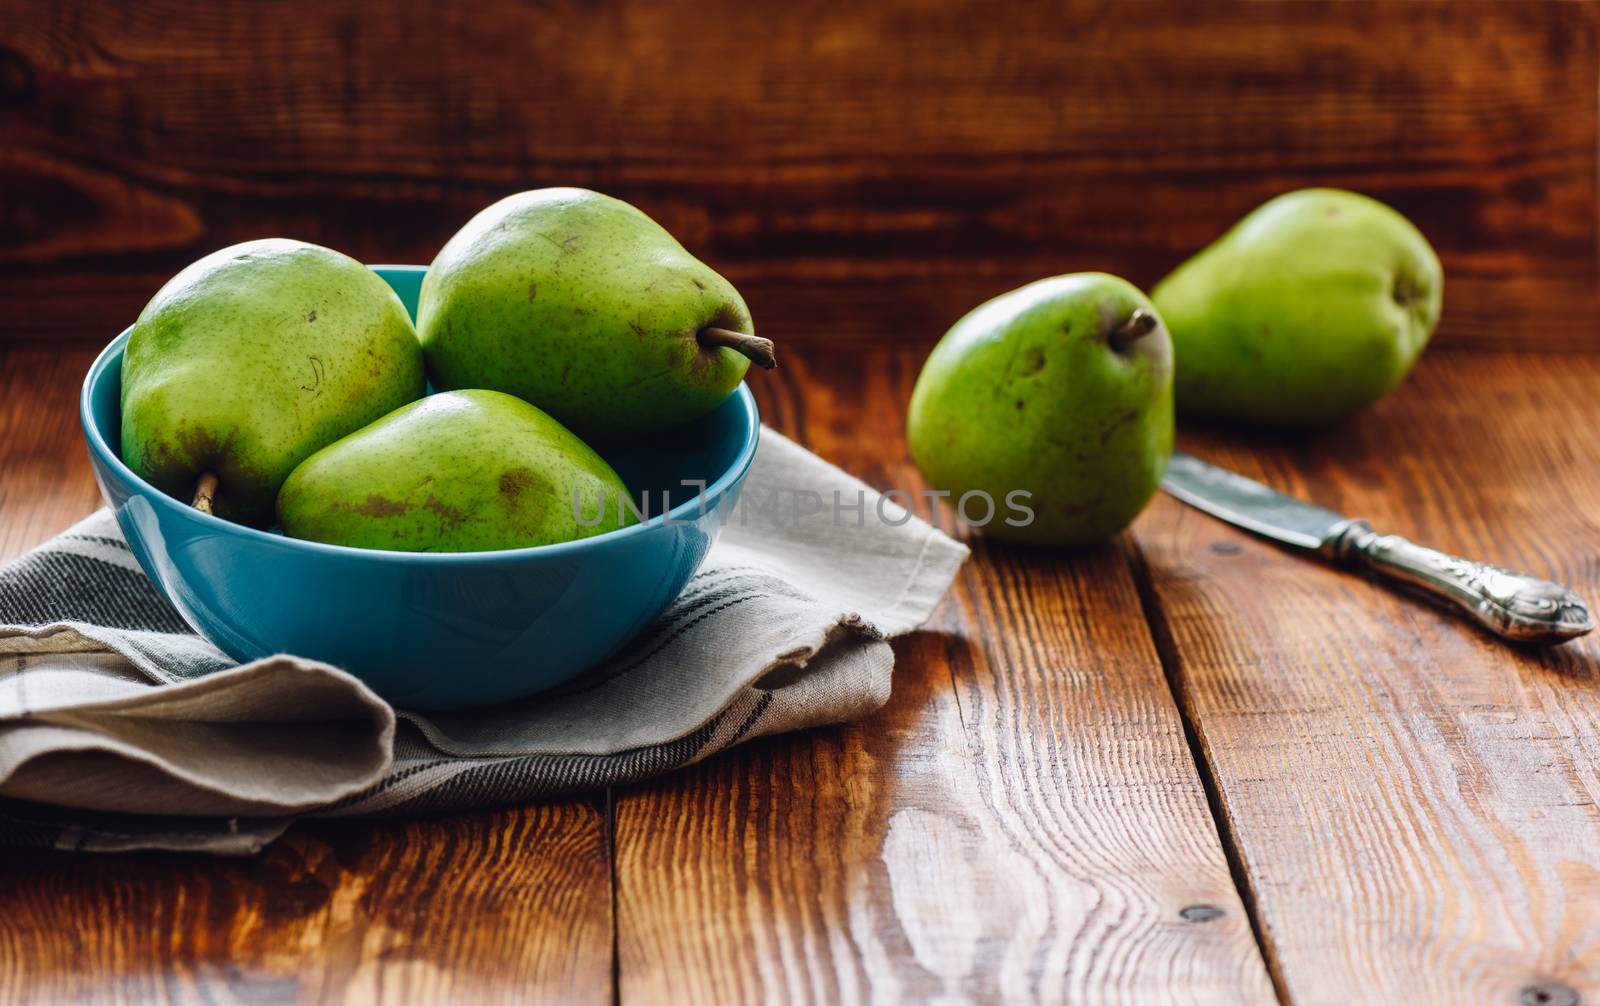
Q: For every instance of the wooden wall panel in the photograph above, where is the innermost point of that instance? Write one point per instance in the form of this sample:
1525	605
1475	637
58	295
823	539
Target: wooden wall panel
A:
864	171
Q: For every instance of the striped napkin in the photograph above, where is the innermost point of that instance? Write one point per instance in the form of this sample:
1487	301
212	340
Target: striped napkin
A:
120	728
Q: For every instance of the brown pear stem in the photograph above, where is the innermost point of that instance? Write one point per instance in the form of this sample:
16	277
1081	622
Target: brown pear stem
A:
1139	324
759	350
205	492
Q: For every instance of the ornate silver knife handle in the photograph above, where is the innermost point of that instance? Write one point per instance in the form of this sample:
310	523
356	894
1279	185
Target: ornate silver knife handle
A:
1521	608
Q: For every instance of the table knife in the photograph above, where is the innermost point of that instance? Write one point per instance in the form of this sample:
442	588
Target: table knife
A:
1522	608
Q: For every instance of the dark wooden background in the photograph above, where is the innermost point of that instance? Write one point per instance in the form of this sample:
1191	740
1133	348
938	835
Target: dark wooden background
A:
862	171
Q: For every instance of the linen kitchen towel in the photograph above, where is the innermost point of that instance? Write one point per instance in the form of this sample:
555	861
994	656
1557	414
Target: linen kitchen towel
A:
120	728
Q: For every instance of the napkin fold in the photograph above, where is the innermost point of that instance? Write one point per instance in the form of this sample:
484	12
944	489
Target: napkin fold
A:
120	728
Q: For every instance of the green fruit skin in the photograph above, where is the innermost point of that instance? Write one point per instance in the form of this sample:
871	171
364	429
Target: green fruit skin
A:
584	306
1310	309
459	471
251	359
1027	393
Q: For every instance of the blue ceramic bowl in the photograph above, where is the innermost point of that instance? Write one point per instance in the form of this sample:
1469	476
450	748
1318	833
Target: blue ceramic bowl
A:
431	631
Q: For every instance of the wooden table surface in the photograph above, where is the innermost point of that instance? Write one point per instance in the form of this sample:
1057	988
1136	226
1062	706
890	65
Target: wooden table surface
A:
1185	766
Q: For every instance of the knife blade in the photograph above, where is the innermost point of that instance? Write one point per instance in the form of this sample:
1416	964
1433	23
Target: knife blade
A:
1513	605
1249	504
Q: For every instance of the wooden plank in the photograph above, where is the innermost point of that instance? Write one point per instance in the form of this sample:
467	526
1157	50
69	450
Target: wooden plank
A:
1022	821
1415	803
862	172
504	907
494	907
46	484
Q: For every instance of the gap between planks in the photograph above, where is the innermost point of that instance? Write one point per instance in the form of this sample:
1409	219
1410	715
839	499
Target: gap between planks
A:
1167	651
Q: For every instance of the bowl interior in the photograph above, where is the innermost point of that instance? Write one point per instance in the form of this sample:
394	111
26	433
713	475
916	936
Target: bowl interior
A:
713	451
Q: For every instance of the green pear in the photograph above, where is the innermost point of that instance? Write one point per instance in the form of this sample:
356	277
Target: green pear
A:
1055	402
584	306
459	471
253	358
1311	308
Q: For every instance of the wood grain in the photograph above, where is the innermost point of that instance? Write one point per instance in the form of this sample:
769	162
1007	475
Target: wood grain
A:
46	484
504	907
1022	822
1415	803
862	172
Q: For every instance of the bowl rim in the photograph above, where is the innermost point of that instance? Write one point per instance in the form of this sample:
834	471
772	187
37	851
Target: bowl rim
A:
699	505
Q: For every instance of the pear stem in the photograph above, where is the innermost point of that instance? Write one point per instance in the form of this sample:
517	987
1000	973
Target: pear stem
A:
205	492
1139	324
759	350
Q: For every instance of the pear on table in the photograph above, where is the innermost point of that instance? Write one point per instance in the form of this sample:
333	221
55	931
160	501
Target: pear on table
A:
1311	308
1061	390
253	358
459	471
584	306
